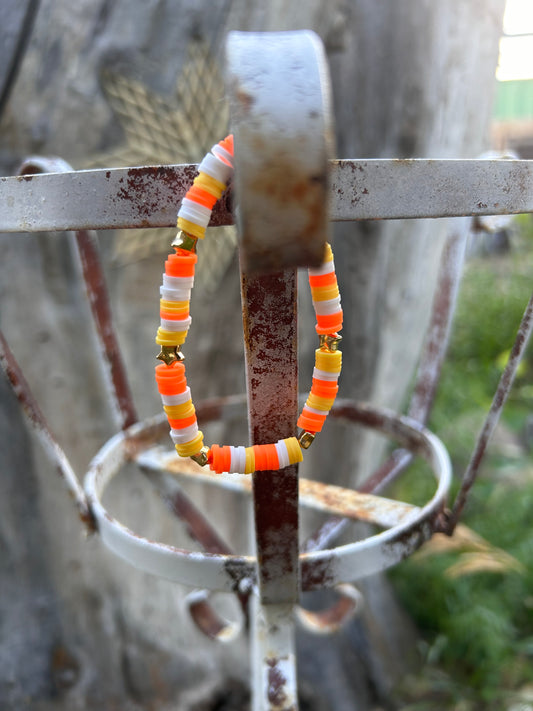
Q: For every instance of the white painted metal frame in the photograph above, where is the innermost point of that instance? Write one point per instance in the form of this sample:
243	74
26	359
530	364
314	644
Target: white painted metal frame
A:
347	563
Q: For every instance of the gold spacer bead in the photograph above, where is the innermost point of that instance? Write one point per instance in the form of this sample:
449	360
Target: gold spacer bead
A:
306	439
169	354
201	457
183	240
330	341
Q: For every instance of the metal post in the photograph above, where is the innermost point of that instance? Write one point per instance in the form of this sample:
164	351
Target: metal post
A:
280	108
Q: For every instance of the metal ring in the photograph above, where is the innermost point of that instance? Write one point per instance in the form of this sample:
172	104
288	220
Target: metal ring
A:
349	605
319	569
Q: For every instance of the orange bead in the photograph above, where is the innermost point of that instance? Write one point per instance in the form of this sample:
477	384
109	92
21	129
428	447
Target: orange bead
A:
182	422
170	378
173	316
220	459
324	388
181	265
227	144
310	421
201	196
329	323
323	279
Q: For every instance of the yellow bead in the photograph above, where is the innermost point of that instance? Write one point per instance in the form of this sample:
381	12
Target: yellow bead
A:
170	338
294	450
191	227
192	447
249	466
331	362
176	412
174	306
324	293
319	403
213	186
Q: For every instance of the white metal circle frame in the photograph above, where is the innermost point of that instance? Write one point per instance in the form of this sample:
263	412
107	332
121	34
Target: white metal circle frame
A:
319	569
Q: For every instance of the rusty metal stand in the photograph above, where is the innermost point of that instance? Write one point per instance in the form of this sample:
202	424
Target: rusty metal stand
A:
279	94
279	99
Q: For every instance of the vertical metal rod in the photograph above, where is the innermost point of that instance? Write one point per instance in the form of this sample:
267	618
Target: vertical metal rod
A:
270	335
93	275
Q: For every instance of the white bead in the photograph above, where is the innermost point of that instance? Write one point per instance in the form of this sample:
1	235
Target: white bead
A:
173	282
179	399
325	308
187	434
213	166
179	325
238	460
175	294
315	411
220	152
325	375
193	212
283	454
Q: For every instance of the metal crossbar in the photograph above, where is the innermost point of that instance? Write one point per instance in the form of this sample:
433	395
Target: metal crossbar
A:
149	196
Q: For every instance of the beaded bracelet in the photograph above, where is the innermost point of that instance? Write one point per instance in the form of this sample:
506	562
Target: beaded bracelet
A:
214	173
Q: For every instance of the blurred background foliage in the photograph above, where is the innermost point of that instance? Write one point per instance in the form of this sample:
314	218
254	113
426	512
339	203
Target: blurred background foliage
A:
471	596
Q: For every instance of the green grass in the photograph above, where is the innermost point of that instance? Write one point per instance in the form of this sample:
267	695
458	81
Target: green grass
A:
477	629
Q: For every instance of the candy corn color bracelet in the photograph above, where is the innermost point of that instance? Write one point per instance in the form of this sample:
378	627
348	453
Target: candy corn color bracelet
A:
213	176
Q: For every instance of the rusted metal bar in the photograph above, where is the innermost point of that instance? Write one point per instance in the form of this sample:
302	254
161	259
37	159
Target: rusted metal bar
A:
279	100
98	298
360	190
438	333
493	416
274	677
99	302
270	336
198	527
433	352
39	425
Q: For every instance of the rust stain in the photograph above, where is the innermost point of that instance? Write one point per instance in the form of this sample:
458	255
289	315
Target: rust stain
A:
285	188
269	308
317	574
276	683
64	668
246	100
